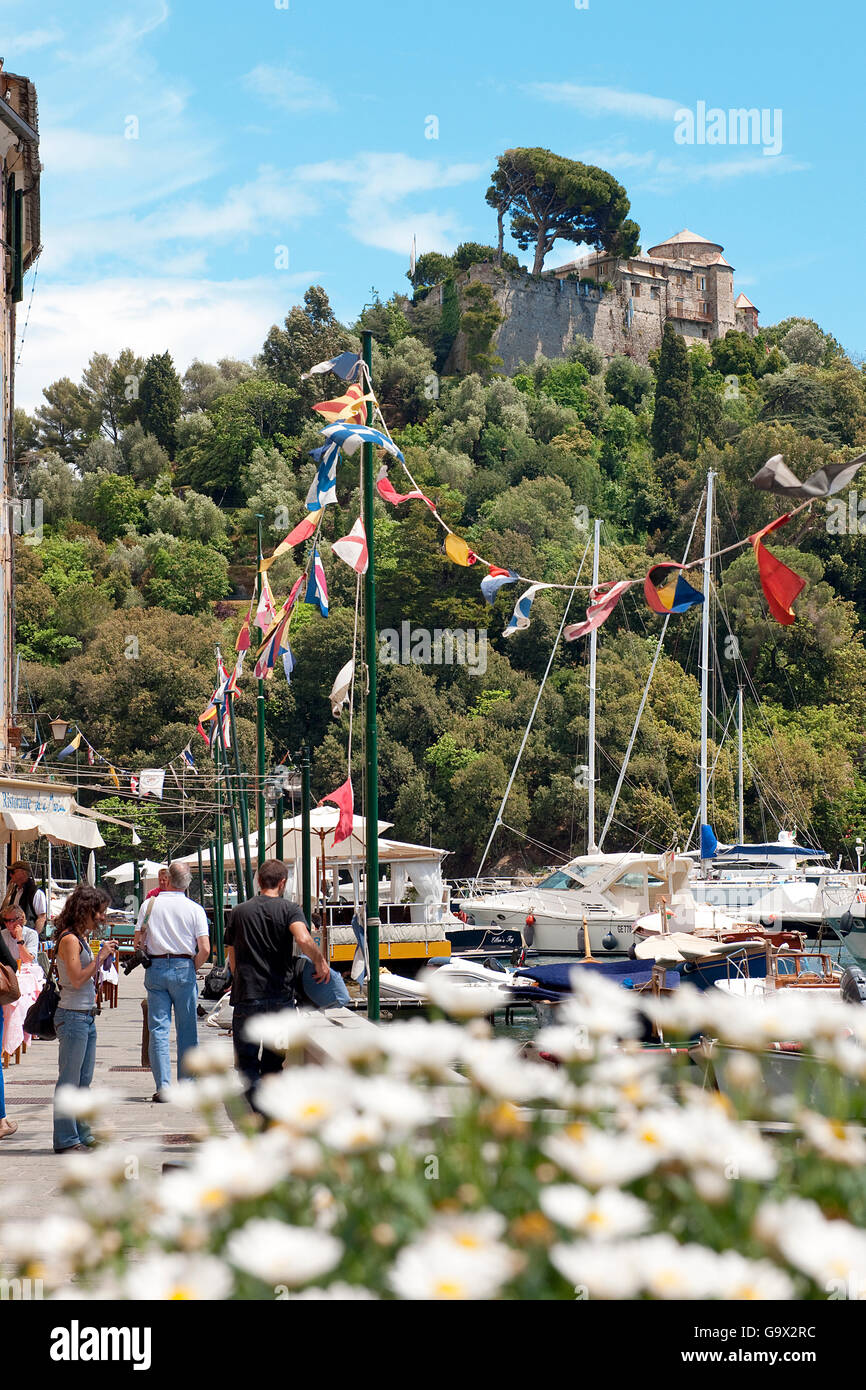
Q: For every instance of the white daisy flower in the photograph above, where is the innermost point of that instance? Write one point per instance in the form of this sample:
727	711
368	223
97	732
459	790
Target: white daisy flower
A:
669	1270
210	1058
283	1031
460	1000
605	1215
336	1293
55	1243
84	1102
569	1044
176	1277
741	1279
206	1091
498	1070
353	1133
441	1270
602	1160
423	1049
834	1140
605	1270
281	1254
305	1098
399	1106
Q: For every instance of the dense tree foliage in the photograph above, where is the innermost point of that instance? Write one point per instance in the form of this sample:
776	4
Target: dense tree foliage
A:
151	489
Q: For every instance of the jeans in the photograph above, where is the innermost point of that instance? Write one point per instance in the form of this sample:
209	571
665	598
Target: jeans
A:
252	1059
76	1037
170	983
331	994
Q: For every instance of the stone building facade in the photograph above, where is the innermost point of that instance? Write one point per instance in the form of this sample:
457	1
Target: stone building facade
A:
621	305
19	217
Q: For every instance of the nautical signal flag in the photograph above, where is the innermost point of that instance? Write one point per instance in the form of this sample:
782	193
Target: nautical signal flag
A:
779	583
317	588
266	610
189	759
70	747
323	488
39	756
351	437
301	533
776	476
389	493
603	601
495	580
457	550
667	590
519	620
352	405
346	365
345	799
353	548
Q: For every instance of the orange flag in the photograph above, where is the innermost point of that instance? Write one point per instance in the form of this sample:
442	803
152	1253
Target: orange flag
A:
779	583
350	406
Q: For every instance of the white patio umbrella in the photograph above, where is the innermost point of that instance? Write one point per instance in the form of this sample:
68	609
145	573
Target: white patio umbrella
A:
125	873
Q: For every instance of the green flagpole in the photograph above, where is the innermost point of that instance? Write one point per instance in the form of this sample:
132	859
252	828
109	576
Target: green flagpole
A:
261	821
200	878
219	901
242	801
233	820
306	864
279	813
372	875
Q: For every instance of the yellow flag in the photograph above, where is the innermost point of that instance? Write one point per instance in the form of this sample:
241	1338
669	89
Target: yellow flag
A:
114	777
457	550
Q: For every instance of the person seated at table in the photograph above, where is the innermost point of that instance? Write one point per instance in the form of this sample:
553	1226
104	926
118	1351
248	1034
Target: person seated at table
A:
22	941
22	892
162	884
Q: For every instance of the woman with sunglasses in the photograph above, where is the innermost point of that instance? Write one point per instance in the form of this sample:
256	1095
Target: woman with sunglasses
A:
81	917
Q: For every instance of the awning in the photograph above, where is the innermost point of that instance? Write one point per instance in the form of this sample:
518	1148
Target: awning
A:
57	826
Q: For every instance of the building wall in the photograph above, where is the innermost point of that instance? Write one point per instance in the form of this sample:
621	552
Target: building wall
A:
544	315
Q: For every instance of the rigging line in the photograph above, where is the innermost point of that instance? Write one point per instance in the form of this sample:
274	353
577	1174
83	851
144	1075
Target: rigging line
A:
645	696
528	728
541	844
793	792
660	749
710	776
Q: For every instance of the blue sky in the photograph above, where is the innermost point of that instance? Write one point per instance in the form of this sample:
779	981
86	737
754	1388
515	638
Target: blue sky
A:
306	127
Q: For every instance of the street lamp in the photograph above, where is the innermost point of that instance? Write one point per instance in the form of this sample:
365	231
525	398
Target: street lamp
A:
858	850
58	729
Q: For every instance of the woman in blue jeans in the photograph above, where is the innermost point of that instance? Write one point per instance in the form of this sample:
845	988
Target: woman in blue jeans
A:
7	1127
83	915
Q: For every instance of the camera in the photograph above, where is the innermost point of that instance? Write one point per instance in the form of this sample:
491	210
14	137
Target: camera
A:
137	958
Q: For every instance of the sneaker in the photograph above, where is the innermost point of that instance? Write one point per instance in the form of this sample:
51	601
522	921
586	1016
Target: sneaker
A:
7	1127
159	1098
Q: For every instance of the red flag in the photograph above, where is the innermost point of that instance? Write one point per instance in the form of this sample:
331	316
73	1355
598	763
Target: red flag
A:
243	642
353	548
344	798
779	583
350	406
603	601
389	493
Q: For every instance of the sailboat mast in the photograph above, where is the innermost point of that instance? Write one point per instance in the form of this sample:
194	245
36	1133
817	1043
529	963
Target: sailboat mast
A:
705	645
591	846
740	820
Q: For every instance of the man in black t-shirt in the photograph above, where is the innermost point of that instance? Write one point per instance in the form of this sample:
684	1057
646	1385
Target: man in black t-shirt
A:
260	940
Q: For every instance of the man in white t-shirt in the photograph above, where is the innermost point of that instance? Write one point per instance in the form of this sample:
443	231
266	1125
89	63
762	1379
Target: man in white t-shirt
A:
22	941
173	931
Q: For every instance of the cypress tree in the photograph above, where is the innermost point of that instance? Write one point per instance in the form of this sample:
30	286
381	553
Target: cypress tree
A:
160	397
672	420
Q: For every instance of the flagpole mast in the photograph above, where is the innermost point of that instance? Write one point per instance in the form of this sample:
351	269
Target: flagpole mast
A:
705	645
372	808
740	817
242	801
261	821
591	846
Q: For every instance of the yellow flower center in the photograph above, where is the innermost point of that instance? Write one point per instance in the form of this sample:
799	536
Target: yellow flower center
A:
181	1294
445	1288
213	1197
312	1110
467	1240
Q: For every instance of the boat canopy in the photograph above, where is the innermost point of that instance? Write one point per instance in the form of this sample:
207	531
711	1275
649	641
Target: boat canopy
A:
771	849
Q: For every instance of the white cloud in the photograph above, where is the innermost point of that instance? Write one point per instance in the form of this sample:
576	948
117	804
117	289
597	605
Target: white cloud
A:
605	101
271	203
288	90
664	173
375	184
27	43
188	317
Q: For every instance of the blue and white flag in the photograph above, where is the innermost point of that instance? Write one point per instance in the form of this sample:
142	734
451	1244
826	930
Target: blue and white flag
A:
317	588
493	582
288	662
323	489
350	437
189	760
519	620
345	364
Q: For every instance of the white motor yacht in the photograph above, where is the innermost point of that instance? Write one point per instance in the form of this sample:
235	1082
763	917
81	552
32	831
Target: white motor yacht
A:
606	891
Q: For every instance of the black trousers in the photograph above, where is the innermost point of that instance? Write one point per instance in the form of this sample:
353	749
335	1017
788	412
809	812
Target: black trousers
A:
252	1059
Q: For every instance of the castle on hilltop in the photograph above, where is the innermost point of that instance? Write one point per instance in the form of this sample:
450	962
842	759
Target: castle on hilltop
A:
621	305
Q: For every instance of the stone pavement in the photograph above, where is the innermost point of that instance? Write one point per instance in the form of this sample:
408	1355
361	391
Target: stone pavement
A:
28	1156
